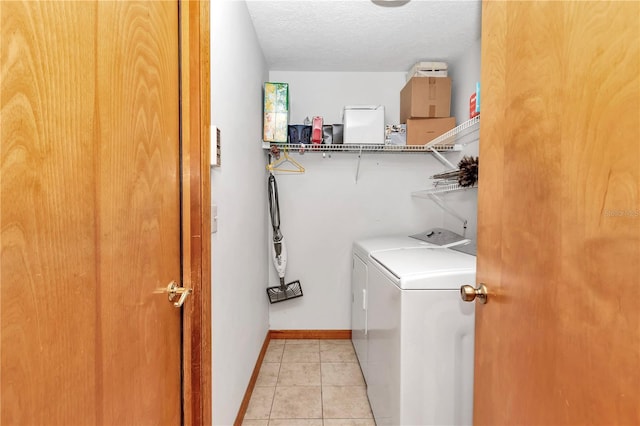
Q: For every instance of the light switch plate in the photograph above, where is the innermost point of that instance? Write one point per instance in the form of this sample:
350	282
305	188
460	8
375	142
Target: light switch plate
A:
214	218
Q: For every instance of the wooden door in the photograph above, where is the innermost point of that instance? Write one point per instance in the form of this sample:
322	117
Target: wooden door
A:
90	213
559	214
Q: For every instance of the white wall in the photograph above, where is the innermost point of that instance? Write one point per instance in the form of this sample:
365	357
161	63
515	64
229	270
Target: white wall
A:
324	210
464	72
326	93
239	248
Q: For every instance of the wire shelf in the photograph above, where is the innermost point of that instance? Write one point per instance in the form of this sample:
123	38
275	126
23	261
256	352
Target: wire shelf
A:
440	189
360	147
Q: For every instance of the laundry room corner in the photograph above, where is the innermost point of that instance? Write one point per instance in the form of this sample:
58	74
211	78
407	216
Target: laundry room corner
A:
465	71
343	196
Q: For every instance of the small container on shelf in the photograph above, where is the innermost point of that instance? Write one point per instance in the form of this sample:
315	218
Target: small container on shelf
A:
395	134
474	103
316	130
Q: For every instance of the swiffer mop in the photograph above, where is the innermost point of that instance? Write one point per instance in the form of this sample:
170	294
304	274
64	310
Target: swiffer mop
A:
279	252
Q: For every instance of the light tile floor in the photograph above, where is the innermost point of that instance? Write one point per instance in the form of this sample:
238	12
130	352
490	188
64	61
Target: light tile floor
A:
309	383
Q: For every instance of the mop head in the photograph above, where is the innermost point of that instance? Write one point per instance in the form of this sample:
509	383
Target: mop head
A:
286	292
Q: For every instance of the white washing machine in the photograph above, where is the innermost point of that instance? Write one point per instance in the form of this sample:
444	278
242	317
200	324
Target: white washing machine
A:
420	337
361	261
362	250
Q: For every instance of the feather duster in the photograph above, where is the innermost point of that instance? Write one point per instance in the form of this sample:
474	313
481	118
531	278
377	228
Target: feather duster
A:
468	168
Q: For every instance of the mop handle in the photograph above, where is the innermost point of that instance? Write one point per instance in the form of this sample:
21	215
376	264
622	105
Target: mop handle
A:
274	208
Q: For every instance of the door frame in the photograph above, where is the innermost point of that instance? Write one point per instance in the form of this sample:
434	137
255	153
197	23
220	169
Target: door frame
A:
196	214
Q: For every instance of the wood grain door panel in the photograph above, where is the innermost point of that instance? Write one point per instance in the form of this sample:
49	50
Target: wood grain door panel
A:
559	228
47	215
139	210
90	219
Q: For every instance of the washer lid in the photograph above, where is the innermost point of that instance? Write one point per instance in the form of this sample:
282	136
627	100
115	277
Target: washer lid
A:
369	245
428	268
442	237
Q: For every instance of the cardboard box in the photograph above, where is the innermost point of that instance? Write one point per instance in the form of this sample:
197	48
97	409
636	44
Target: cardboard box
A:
425	97
423	130
276	112
363	124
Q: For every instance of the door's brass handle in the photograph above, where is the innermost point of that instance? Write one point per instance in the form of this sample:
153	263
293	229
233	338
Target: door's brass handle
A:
173	290
469	294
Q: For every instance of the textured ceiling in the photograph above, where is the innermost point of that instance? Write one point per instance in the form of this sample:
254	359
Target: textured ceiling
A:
358	35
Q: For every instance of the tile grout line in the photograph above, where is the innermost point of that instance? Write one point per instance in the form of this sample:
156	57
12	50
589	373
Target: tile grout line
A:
275	389
321	385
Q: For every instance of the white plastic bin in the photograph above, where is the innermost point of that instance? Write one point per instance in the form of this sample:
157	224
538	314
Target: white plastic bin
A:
363	124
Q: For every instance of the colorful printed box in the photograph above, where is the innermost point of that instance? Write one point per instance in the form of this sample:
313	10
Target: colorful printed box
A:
276	112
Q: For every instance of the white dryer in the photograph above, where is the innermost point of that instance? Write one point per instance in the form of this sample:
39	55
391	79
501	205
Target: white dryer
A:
420	337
